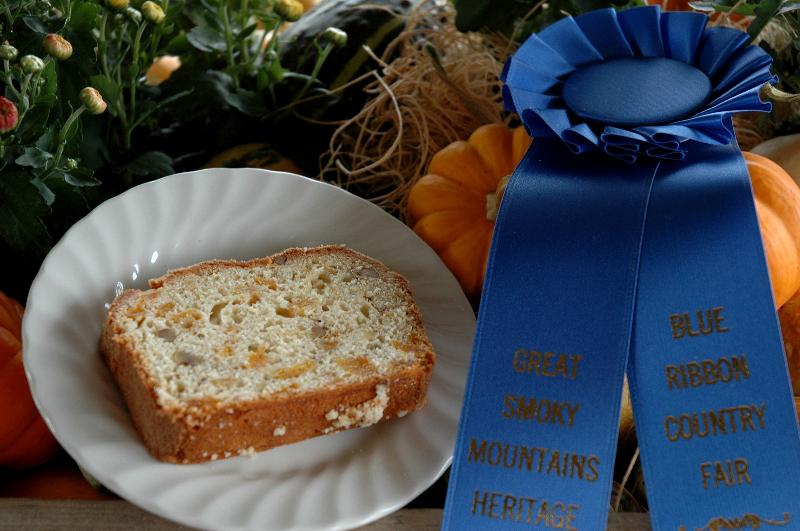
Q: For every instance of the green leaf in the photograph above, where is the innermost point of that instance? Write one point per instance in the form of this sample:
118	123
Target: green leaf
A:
47	194
247	102
47	93
80	177
34	123
178	44
93	150
276	71
198	14
206	39
765	11
35	25
21	212
45	142
247	31
34	158
210	87
152	164
84	16
263	79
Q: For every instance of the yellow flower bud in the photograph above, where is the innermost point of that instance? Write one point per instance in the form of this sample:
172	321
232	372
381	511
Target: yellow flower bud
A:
118	4
289	10
57	46
93	100
161	69
153	12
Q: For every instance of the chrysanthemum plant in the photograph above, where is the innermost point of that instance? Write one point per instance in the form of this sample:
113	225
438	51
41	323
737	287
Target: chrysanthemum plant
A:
94	99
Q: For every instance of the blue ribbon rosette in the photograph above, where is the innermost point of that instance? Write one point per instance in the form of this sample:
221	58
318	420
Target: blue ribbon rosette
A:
628	241
636	83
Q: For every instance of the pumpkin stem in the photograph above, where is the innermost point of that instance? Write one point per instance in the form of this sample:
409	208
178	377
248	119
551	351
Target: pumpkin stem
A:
493	199
776	94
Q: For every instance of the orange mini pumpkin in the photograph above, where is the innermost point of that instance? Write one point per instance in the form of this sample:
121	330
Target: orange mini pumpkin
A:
453	207
24	438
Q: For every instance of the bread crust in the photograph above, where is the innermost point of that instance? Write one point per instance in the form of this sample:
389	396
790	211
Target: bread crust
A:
208	430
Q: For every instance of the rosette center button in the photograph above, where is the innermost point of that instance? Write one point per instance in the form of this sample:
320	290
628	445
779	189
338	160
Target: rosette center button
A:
636	91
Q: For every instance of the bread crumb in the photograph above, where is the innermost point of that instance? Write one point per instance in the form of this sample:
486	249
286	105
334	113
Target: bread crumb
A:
366	413
214	457
249	451
332	414
280	431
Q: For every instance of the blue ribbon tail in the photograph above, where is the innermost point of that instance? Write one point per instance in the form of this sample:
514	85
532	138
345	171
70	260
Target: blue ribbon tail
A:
709	383
539	423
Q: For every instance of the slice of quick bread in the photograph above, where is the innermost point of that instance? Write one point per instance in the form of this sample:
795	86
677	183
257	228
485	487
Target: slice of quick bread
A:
227	358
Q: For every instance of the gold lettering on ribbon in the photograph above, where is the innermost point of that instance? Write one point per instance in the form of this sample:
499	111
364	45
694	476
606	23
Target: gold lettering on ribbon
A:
717	422
731	473
546	461
540	410
707	372
515	508
748	521
547	364
703	323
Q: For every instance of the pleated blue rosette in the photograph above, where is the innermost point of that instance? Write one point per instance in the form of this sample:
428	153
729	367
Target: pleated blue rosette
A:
600	268
547	83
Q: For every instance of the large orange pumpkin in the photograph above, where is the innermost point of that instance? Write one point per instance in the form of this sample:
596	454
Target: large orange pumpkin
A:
789	315
777	199
24	438
453	207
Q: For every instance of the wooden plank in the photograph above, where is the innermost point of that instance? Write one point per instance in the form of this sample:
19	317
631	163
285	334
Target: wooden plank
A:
23	514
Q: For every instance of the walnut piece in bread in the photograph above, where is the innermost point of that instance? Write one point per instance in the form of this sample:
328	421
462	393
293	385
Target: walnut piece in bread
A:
227	358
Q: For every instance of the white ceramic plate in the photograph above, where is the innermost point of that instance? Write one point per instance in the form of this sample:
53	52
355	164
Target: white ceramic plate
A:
339	481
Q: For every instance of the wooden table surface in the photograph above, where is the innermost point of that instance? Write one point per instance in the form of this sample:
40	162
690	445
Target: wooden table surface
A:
24	514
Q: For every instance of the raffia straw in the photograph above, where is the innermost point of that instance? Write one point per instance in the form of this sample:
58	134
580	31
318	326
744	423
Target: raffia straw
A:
748	132
418	102
625	479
